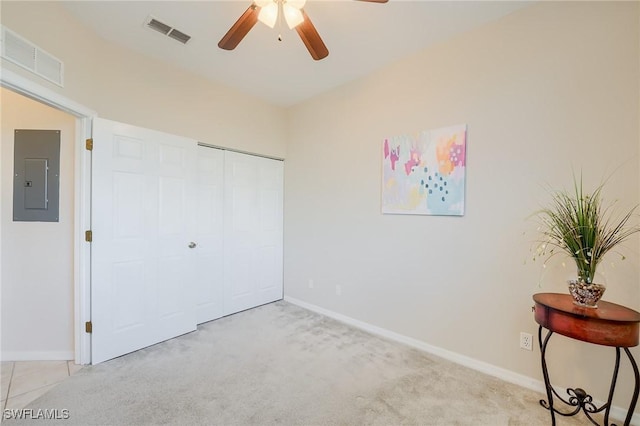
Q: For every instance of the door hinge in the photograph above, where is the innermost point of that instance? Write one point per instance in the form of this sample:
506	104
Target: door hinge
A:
88	327
89	144
88	236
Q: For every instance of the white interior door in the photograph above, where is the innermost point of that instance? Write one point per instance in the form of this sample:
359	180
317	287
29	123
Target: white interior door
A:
253	231
142	269
210	234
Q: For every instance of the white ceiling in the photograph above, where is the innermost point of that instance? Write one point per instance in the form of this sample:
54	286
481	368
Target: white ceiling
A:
360	36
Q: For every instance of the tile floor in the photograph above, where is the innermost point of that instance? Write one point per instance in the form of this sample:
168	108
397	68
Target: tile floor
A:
23	381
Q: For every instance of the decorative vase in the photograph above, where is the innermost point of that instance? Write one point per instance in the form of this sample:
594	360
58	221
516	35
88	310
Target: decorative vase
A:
586	294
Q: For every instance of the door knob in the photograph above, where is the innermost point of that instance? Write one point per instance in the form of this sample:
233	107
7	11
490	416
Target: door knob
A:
192	245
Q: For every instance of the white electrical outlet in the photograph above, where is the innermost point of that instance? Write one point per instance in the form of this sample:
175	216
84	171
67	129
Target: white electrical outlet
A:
526	341
310	283
338	290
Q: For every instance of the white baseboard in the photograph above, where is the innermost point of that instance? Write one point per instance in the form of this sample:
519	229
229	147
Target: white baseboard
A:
37	356
486	368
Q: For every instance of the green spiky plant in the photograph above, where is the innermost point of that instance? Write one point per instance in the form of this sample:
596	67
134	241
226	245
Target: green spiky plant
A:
579	224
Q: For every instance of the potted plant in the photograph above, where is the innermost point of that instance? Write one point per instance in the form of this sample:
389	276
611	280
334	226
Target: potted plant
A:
583	228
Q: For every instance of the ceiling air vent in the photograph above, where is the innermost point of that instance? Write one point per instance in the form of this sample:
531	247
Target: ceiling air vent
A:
22	52
167	30
154	24
180	36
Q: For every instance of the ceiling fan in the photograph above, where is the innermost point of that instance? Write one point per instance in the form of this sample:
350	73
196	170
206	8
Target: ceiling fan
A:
268	11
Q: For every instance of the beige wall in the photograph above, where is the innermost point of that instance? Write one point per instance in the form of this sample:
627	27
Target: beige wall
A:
37	257
125	86
544	90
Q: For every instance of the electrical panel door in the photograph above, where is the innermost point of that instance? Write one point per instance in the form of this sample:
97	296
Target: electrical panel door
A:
36	177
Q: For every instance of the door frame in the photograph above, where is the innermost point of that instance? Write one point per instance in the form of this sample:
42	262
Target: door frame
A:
82	200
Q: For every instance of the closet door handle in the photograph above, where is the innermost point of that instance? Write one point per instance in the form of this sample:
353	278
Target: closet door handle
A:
192	245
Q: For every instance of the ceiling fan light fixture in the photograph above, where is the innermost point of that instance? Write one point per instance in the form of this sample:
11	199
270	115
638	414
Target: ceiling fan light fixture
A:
269	14
292	15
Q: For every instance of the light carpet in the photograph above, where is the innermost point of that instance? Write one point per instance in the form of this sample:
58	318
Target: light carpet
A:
281	364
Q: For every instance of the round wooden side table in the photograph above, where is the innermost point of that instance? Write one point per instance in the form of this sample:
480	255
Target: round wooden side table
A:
609	325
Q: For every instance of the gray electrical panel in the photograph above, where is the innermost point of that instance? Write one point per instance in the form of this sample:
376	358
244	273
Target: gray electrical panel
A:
36	175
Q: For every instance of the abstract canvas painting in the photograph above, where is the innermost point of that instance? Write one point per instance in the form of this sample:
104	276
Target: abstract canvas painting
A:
425	174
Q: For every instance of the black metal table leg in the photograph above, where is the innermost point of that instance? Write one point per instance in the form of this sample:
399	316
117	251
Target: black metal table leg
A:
545	373
613	387
578	398
634	399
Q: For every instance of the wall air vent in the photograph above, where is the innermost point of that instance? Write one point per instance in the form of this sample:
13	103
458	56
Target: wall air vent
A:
27	55
167	30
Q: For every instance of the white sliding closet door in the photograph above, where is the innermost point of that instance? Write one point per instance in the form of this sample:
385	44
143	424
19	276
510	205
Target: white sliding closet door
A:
181	235
210	234
253	211
142	268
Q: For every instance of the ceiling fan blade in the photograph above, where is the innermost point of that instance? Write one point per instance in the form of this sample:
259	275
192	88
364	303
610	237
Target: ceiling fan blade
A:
310	37
236	33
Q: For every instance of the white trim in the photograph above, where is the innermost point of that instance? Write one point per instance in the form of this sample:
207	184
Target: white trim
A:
30	89
82	250
37	356
82	198
490	369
